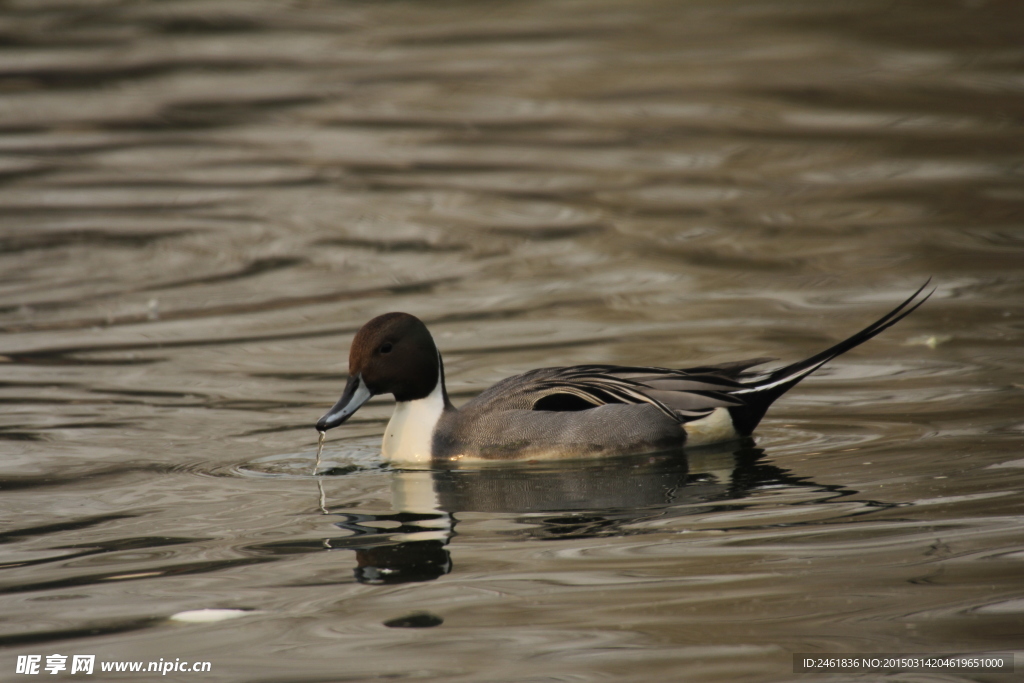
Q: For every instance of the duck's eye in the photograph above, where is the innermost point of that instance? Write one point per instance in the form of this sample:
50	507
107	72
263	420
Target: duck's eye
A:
385	347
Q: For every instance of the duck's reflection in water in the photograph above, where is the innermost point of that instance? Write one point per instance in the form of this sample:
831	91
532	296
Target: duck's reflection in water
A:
568	501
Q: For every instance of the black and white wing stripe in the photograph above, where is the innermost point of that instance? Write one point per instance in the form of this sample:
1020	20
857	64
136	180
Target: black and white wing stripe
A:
678	394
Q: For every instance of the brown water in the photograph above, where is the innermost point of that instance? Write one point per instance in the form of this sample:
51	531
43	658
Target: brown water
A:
202	202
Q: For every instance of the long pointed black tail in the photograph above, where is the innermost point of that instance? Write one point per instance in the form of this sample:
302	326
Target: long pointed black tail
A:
763	391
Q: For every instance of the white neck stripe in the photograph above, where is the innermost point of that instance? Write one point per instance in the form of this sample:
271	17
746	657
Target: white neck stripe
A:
409	436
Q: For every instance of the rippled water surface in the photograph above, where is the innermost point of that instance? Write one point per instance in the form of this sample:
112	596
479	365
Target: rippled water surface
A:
202	201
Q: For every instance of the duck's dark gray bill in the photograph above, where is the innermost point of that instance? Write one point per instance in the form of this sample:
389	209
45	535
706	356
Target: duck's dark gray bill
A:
355	395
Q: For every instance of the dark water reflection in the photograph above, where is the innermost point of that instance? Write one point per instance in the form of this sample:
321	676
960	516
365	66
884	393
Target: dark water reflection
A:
607	499
200	203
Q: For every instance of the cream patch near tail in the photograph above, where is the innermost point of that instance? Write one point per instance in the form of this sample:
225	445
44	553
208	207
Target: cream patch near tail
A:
714	428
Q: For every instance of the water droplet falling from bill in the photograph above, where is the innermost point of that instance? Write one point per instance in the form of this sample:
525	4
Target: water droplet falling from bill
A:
319	450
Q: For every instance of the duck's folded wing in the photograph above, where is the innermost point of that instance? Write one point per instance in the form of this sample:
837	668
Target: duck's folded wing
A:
678	394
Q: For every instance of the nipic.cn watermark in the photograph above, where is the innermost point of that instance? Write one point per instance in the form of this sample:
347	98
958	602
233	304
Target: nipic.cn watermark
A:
87	664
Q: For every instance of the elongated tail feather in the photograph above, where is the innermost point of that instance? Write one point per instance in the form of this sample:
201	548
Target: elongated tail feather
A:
763	391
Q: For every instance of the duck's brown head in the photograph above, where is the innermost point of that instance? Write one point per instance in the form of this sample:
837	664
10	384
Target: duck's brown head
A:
392	354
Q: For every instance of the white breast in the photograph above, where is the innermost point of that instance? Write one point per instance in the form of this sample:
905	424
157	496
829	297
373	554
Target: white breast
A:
410	433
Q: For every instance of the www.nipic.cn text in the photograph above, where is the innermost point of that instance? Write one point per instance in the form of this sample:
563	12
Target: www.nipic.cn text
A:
87	664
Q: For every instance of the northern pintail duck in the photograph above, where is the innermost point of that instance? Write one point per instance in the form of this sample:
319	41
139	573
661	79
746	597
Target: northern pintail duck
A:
583	411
